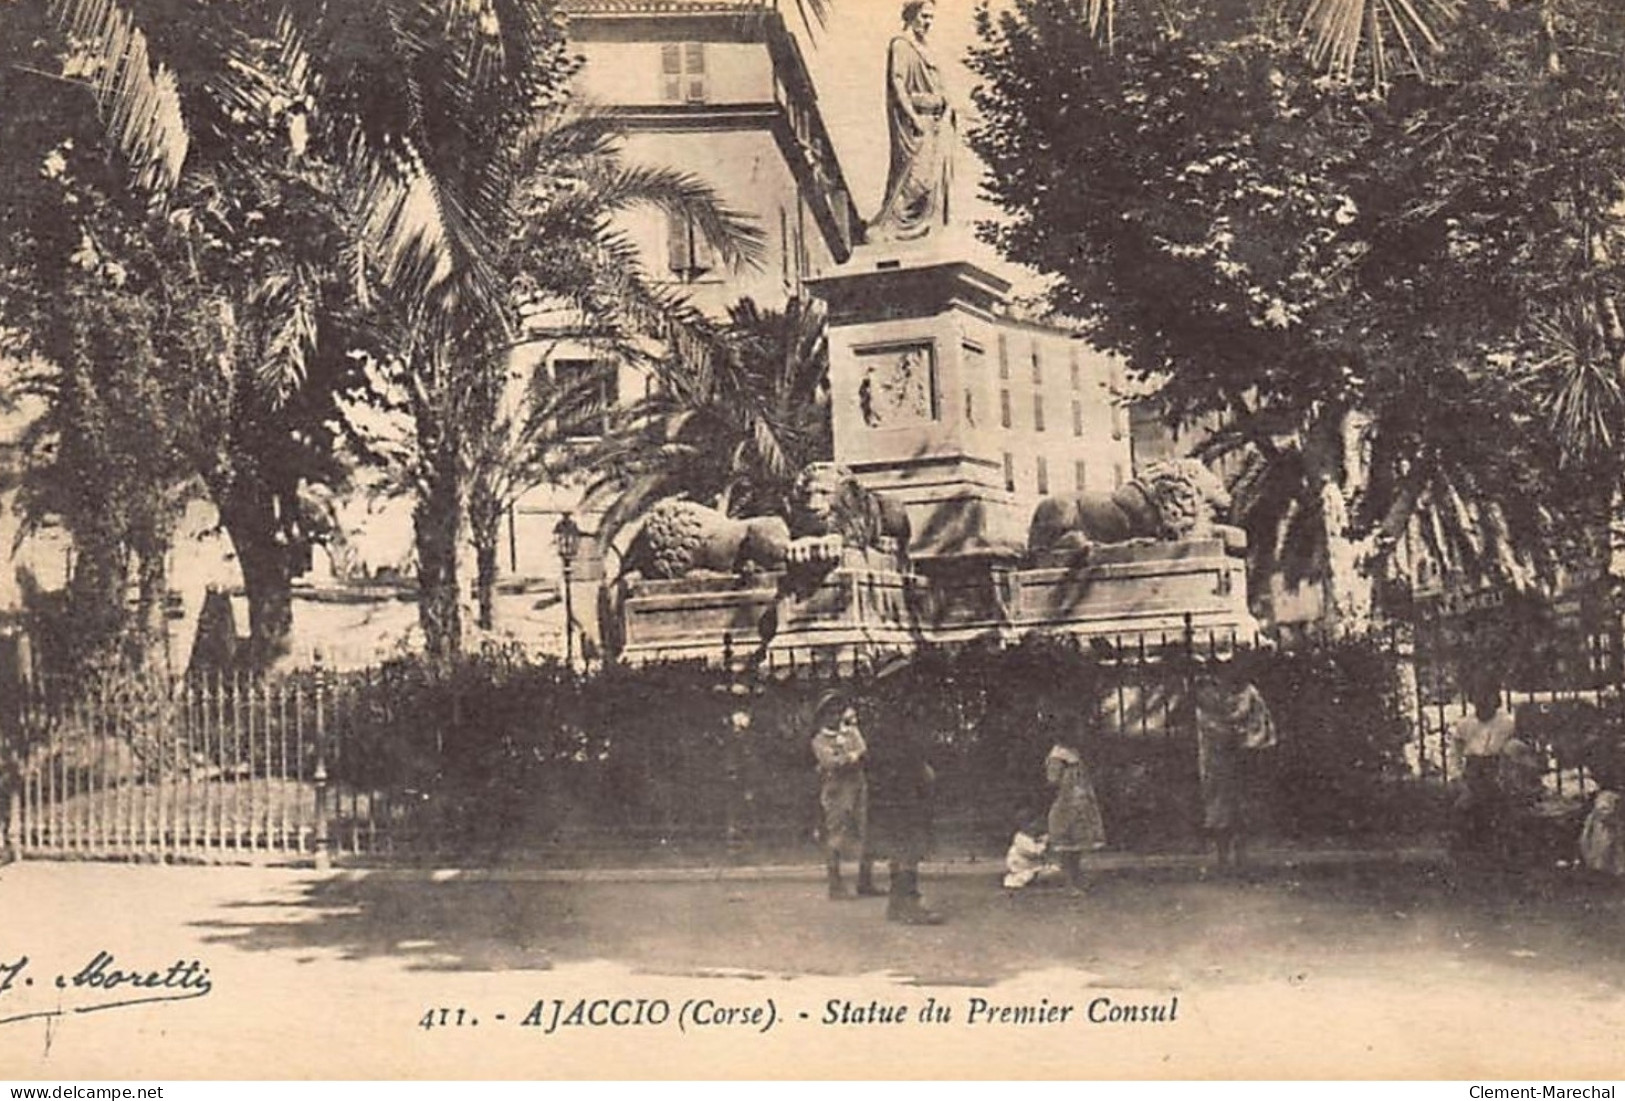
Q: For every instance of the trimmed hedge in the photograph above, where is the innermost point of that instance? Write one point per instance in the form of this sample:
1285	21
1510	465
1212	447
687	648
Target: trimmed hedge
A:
507	754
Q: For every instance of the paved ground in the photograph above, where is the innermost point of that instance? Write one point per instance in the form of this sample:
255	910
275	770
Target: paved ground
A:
1345	968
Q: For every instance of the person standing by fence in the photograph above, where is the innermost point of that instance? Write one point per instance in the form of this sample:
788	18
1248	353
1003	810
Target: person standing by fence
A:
903	792
1232	722
1479	745
843	790
1075	822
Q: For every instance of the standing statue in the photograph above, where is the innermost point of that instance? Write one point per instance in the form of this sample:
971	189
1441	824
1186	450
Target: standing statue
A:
921	125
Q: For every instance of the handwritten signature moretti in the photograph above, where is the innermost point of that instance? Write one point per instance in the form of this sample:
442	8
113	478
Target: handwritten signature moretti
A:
102	983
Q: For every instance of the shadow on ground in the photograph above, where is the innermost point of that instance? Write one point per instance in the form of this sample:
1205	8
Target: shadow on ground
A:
1137	927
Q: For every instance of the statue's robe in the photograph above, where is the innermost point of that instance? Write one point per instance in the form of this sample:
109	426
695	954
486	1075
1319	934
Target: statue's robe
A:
922	135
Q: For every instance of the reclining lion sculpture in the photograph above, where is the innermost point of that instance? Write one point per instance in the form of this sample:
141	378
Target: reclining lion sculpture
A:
679	537
831	515
1176	500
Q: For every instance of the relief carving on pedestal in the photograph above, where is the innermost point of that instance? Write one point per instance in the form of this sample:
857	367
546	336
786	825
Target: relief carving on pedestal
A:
898	386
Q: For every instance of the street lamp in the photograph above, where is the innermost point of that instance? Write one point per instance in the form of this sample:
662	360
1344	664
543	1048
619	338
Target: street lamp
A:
567	540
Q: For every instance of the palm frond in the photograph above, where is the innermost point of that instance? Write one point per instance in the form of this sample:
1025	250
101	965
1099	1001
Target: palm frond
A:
139	100
814	13
1339	33
291	301
1578	385
736	236
1339	30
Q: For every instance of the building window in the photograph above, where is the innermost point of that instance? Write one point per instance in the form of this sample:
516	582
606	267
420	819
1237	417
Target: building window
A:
1038	412
1080	475
1038	366
803	258
1009	472
682	72
688	253
1043	475
588	390
1004	356
1077	417
784	245
1076	370
972	357
1005	419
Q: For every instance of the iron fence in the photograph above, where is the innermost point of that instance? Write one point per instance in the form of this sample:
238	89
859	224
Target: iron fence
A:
507	760
202	768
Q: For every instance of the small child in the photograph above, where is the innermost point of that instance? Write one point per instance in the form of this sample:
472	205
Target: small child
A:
1028	859
1075	824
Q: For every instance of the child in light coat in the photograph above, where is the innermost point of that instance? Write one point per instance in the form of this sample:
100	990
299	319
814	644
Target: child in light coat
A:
1028	860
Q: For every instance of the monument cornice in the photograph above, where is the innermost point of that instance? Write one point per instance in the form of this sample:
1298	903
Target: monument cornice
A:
875	285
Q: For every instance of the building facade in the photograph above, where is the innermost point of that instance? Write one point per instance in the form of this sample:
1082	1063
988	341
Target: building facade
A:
719	89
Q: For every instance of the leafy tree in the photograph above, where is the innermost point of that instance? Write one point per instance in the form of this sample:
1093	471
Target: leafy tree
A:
117	492
1346	281
95	331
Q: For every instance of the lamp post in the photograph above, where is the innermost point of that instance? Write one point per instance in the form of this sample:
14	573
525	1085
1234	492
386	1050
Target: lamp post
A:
567	540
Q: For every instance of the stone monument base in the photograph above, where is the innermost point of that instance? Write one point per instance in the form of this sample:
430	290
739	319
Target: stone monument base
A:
1140	591
1137	595
845	616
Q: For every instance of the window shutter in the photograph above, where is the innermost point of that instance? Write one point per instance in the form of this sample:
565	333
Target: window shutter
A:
671	72
679	258
694	70
702	257
688	253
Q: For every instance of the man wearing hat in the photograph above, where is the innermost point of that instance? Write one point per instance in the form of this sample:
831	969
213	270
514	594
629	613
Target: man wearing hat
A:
903	781
843	792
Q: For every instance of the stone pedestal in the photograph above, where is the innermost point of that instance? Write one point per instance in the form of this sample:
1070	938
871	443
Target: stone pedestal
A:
846	614
910	333
1139	594
1146	591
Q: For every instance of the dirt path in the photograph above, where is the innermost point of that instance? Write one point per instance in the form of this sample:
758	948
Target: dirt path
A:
1342	972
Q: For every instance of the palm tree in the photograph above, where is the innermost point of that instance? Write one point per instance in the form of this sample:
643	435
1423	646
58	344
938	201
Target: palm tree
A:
732	431
248	253
1340	33
566	254
1354	496
429	133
